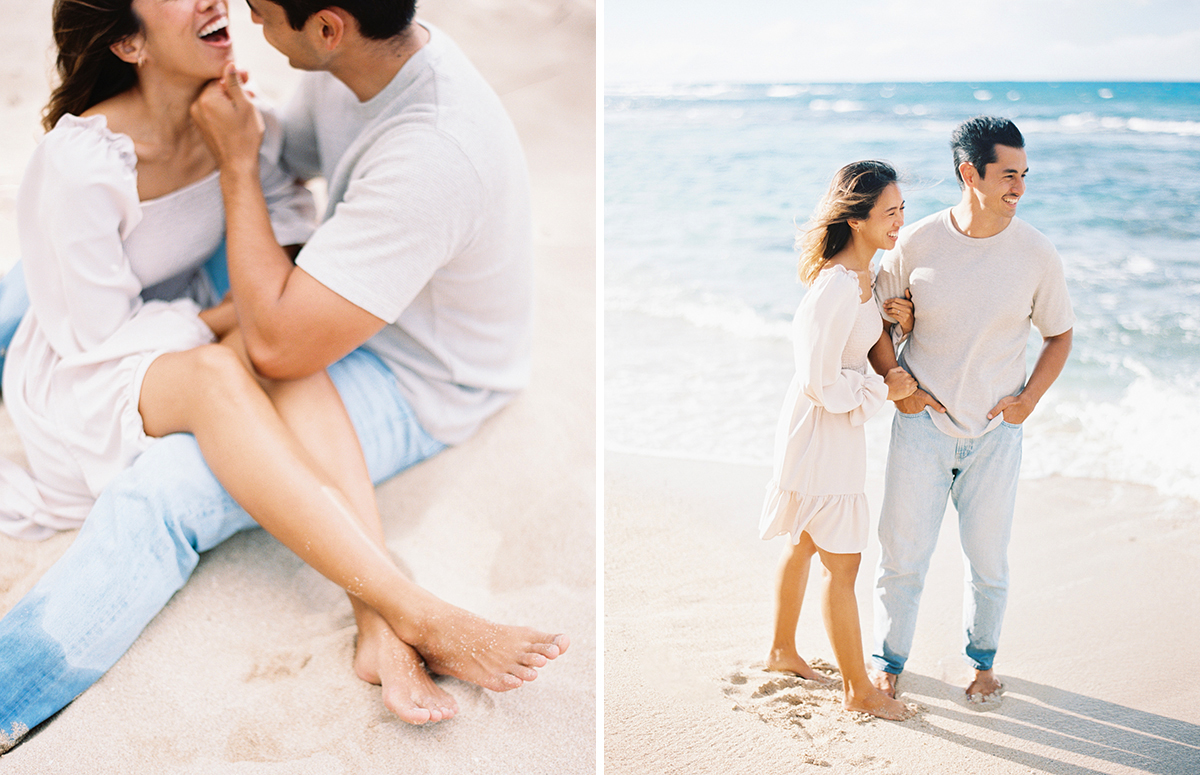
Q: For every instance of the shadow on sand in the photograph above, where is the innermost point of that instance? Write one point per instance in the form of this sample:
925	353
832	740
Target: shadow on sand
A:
1081	727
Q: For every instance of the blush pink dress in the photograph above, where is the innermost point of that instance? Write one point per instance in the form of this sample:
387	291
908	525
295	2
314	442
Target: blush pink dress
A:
820	445
113	283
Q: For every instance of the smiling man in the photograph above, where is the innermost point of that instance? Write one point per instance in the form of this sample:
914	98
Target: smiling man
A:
979	277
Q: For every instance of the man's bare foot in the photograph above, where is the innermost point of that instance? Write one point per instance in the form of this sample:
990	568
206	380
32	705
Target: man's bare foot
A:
985	688
884	682
785	661
458	643
408	690
879	705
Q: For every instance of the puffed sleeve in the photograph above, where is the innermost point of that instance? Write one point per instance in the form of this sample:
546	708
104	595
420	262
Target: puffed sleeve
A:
290	204
821	329
76	203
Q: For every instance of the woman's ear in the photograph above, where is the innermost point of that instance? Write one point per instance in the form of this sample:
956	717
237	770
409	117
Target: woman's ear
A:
131	50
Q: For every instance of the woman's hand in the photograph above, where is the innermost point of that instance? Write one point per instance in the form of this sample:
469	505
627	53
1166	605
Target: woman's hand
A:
222	318
901	310
900	384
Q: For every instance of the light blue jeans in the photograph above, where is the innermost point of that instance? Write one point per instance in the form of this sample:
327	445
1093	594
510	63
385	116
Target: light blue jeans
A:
980	475
13	303
142	540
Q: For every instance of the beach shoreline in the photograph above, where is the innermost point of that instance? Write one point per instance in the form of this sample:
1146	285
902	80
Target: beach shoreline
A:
1099	627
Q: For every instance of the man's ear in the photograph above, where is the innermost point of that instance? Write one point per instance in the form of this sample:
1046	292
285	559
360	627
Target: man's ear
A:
330	26
968	172
130	50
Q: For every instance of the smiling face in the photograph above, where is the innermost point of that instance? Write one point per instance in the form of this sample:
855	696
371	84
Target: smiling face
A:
187	38
882	228
1001	186
292	43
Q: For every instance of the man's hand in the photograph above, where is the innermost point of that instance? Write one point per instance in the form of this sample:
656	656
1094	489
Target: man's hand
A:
918	401
231	125
1014	409
1055	350
901	310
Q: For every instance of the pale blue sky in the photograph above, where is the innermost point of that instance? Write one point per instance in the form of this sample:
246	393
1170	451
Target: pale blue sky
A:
700	41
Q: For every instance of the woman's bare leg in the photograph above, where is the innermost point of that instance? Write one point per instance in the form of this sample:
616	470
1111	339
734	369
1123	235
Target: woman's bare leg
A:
313	411
845	635
789	597
209	393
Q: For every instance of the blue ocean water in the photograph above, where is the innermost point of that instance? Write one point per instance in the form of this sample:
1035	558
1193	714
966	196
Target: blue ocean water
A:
704	186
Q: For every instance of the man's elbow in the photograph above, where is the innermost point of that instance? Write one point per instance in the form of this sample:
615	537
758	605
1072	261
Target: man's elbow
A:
278	361
1064	339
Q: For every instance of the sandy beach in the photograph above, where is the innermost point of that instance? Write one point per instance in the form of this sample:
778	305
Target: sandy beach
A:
248	669
1098	641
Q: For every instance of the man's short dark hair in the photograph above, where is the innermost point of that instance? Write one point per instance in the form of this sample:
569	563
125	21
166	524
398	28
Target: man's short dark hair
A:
377	19
975	141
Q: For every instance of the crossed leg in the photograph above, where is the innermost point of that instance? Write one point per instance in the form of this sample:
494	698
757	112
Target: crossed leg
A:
313	411
209	392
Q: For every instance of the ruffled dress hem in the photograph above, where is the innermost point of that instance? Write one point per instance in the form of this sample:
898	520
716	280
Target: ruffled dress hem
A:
839	524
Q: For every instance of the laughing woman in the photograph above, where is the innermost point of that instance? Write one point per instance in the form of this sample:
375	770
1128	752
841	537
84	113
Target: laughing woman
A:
816	496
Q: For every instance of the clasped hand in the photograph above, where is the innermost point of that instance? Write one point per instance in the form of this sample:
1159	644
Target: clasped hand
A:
901	310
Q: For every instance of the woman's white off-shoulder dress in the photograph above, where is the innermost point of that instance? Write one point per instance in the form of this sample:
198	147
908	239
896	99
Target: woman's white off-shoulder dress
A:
113	283
820	445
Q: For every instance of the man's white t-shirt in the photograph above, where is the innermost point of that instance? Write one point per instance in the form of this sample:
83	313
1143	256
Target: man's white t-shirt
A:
975	300
428	227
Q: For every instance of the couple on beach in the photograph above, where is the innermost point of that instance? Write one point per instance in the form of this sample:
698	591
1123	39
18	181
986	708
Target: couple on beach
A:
941	330
162	415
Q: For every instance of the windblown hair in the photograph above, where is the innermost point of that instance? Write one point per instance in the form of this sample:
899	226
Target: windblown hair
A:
975	141
852	194
88	71
377	19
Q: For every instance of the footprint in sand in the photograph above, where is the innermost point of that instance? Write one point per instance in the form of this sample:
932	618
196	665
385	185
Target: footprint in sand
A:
783	700
278	664
809	710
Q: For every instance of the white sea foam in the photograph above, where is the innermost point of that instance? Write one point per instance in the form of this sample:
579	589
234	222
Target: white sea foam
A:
1146	437
1091	122
707	311
837	106
781	91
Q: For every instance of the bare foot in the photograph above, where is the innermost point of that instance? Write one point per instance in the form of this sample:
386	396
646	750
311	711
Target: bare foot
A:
495	656
408	690
985	688
785	661
879	705
884	682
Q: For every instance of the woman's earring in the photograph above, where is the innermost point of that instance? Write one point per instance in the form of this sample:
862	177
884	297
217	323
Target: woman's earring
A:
141	60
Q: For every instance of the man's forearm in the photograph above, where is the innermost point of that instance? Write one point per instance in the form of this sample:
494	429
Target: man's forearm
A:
258	267
883	355
1050	363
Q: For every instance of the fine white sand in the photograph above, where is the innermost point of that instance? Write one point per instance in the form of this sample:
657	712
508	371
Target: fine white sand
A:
1098	651
248	669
